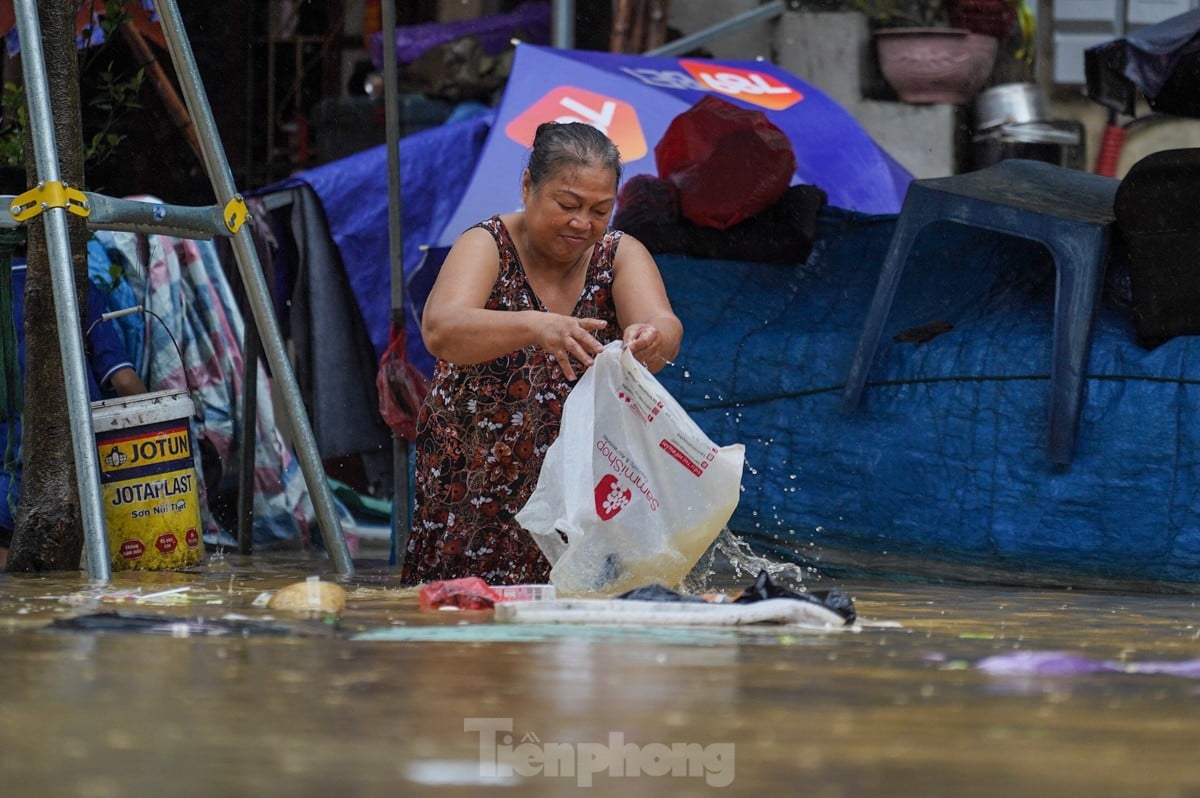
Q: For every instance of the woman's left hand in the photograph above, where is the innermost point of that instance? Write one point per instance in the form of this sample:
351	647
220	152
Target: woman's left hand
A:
645	342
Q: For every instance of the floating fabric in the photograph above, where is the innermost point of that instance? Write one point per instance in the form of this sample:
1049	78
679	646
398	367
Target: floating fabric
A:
467	593
764	588
658	613
1063	663
175	626
537	633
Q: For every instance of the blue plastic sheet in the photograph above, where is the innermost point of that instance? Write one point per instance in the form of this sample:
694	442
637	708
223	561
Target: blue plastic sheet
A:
529	21
946	464
1153	52
434	167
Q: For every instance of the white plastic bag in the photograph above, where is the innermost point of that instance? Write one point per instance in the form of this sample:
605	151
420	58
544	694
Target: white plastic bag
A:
632	492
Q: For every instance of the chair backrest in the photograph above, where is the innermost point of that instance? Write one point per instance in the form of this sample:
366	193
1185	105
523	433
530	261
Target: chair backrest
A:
1155	208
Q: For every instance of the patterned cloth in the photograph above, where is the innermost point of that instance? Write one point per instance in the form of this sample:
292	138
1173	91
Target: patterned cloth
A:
182	282
482	435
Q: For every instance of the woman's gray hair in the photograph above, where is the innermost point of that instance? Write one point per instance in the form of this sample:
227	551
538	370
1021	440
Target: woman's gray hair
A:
560	144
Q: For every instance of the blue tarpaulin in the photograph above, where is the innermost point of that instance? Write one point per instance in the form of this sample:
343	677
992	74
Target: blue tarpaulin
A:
435	165
1153	52
944	469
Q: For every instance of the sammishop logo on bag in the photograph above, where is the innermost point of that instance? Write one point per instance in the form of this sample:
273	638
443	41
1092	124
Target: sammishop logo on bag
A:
611	498
614	491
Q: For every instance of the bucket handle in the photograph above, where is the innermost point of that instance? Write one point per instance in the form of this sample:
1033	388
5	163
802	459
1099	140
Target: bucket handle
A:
197	406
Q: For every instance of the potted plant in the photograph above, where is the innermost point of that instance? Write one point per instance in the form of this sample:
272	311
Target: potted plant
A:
890	14
995	18
927	59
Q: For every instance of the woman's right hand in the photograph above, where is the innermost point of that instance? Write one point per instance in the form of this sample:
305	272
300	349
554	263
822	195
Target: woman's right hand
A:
566	337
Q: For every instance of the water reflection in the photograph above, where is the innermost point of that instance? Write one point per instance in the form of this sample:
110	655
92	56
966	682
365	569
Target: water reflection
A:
894	708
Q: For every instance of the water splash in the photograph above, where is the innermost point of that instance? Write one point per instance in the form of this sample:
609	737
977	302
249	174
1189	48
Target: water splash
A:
730	563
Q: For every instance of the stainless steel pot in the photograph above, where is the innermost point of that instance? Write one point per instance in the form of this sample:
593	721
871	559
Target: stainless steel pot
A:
1057	141
1009	103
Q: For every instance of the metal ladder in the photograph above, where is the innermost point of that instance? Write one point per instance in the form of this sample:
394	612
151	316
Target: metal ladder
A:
53	200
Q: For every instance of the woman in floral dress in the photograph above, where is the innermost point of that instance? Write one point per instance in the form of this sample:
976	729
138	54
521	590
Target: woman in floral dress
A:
522	304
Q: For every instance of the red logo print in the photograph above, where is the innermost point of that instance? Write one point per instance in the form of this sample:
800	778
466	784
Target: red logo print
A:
611	498
132	549
615	118
744	84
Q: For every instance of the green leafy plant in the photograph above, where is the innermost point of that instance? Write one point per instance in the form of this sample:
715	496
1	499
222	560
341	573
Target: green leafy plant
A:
12	125
113	96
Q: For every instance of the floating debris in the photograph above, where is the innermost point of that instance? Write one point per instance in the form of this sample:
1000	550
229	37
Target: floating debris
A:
1063	663
145	623
310	596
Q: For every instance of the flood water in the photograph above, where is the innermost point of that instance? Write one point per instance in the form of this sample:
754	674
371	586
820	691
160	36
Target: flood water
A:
454	704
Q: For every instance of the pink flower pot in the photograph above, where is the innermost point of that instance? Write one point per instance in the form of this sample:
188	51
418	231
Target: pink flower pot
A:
935	65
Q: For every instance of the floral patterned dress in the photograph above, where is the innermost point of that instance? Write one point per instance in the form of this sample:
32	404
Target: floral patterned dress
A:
482	435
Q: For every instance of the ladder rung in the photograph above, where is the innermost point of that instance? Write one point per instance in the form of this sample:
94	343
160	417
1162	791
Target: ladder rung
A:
155	218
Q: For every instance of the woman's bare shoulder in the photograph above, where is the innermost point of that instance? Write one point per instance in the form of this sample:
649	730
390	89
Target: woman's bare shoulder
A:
630	249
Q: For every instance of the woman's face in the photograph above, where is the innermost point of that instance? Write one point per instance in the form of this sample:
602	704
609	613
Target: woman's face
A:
569	212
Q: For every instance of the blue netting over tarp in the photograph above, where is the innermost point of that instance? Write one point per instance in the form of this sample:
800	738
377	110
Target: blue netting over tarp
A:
946	460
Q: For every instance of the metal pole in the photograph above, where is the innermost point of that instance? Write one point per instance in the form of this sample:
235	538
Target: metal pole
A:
256	288
249	431
401	504
563	33
1043	44
760	14
66	309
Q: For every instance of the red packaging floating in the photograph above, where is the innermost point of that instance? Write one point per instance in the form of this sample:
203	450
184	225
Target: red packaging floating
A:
468	593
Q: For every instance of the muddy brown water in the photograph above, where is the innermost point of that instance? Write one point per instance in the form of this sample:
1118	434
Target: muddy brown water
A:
455	704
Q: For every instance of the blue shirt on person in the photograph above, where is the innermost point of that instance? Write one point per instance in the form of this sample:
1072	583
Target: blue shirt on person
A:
105	353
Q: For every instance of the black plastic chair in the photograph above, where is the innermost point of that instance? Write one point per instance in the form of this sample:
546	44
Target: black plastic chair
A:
1156	215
